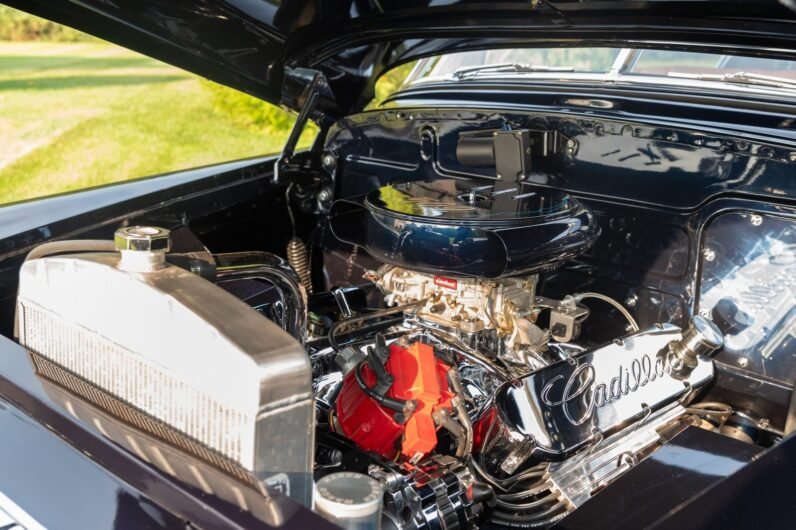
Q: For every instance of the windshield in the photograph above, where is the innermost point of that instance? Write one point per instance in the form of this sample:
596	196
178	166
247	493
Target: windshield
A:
609	64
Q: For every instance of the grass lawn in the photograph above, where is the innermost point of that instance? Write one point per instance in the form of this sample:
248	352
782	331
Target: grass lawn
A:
74	115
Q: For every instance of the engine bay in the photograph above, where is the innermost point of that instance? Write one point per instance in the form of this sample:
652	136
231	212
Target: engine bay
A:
466	363
477	400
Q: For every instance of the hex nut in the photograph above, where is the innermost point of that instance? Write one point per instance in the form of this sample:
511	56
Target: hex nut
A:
142	238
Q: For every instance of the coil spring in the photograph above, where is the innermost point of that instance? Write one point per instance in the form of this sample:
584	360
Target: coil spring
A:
299	259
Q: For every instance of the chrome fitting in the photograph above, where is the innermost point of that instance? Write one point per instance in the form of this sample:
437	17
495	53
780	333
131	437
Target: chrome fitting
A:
702	337
143	248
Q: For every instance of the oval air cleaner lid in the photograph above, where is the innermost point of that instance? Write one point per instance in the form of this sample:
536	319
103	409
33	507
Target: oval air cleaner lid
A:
459	227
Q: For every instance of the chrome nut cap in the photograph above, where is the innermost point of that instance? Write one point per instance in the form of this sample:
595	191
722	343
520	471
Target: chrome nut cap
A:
702	338
142	238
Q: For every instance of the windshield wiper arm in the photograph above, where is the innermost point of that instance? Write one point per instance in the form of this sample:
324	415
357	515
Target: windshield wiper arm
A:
471	71
741	78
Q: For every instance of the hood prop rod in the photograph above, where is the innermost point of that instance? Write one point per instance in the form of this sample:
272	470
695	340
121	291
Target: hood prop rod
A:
313	93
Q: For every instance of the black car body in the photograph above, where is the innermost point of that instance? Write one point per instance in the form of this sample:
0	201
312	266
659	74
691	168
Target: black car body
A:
684	182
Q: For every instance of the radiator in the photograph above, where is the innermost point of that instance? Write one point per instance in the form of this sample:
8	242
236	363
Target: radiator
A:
181	351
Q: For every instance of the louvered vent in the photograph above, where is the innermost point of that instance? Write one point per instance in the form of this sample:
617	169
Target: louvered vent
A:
137	380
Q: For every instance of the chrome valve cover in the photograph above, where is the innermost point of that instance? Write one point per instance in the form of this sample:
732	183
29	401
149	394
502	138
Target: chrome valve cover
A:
550	414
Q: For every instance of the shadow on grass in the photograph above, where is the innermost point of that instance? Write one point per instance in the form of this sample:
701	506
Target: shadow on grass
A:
43	62
90	81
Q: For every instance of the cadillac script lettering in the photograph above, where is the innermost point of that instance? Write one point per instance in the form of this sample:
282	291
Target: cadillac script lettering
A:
579	395
570	404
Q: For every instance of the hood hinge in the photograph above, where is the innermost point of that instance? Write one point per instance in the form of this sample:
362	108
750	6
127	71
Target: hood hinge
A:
313	102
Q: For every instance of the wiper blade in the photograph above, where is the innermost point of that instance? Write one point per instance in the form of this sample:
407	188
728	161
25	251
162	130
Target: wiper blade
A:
472	71
741	78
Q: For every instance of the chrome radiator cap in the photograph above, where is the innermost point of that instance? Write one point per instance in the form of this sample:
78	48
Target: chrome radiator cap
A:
182	351
143	248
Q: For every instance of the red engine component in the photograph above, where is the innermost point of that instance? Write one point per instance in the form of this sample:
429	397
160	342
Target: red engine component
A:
418	376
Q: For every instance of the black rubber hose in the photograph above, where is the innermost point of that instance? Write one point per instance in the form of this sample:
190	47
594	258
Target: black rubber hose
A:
397	405
384	379
542	518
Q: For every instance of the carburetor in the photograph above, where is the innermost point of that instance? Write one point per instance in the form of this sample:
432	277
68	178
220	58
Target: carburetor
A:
467	306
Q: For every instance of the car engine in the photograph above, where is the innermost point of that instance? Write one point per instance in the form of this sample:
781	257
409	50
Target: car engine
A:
479	402
462	398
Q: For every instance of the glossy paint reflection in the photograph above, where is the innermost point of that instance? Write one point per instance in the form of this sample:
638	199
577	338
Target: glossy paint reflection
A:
459	227
748	287
654	165
670	480
698	461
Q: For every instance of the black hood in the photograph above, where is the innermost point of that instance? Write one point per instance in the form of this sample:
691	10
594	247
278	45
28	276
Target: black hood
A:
251	44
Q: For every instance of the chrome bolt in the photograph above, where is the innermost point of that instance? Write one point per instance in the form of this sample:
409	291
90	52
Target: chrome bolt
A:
709	254
743	362
631	301
327	160
792	157
572	147
757	220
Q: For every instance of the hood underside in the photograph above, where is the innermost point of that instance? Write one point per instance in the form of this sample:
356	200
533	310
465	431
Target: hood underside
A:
250	44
